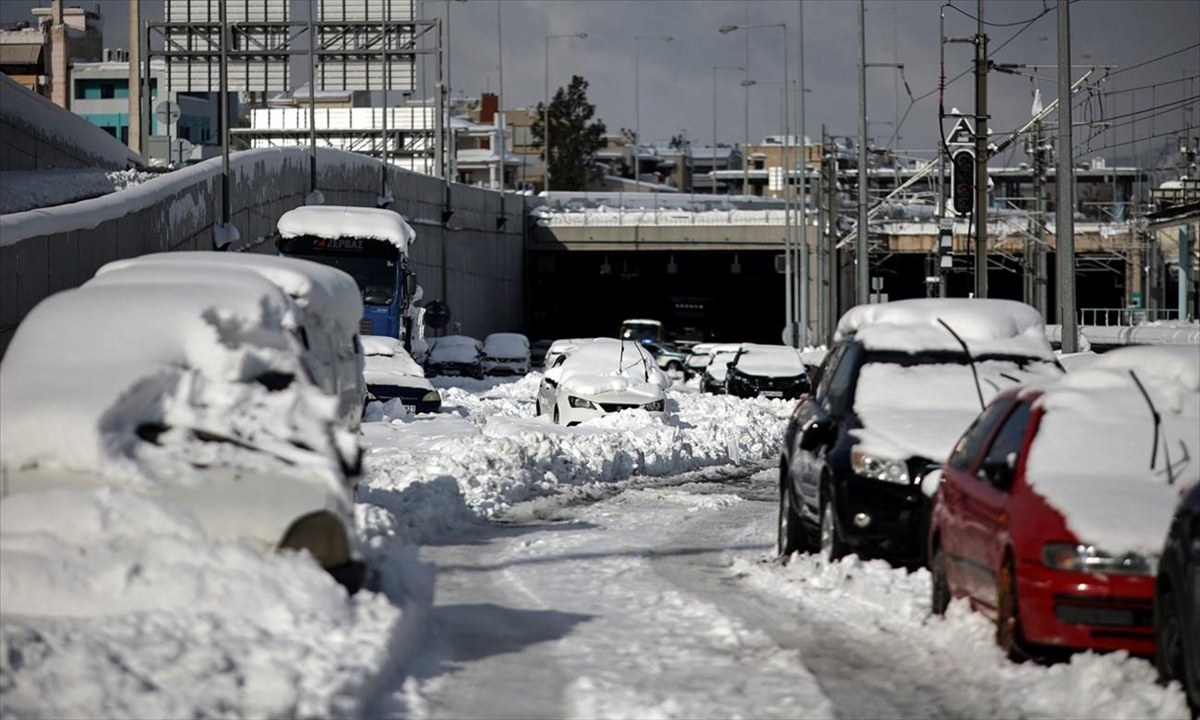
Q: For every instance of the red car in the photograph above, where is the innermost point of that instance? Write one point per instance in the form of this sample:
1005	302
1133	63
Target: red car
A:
1051	504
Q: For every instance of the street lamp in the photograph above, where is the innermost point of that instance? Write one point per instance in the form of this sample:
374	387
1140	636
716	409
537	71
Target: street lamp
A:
637	102
790	325
714	144
546	110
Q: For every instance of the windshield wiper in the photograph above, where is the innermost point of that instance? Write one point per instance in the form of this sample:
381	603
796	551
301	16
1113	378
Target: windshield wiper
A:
1157	424
974	370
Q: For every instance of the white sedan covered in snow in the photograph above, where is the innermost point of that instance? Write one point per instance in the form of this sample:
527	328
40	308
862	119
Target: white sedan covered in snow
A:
603	376
505	353
191	393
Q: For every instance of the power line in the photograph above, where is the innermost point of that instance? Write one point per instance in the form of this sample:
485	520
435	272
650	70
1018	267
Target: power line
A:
1154	60
1144	138
1000	25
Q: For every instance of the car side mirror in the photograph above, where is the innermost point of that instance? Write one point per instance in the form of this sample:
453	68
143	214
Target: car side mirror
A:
999	472
815	434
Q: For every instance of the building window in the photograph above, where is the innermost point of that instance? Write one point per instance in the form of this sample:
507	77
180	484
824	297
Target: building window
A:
107	91
109	129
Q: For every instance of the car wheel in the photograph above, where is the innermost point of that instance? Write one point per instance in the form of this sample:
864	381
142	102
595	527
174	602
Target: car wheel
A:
1170	656
1008	615
940	597
832	546
791	535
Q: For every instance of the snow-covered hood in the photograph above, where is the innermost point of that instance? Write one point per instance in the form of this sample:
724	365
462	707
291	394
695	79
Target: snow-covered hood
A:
1091	456
769	361
454	349
611	388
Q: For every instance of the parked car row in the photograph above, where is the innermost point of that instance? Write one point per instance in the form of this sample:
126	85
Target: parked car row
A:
230	386
499	354
945	433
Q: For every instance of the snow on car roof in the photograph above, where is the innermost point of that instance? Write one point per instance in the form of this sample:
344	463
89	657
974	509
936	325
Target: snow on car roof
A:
770	360
337	221
640	321
95	362
330	293
380	345
1091	455
506	345
988	326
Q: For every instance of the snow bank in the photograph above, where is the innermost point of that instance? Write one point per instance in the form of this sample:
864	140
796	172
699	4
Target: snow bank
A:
486	451
888	611
116	606
29	189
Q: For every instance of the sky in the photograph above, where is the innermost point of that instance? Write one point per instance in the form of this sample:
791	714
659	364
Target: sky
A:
676	78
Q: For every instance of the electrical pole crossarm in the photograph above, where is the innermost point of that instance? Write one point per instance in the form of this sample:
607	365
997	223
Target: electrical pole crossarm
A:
1038	118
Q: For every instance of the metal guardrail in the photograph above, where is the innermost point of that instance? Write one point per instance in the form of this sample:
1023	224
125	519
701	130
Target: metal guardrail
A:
1125	317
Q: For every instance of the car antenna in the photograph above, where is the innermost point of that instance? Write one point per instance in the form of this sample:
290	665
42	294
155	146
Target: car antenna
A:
1157	423
970	358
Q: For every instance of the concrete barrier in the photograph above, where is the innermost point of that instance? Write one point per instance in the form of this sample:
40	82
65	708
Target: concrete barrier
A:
475	262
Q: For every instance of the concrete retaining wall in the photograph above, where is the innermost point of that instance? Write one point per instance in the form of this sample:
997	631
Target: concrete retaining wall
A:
482	278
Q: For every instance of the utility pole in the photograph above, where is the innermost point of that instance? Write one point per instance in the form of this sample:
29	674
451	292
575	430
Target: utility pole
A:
863	274
803	294
833	269
312	97
135	85
1039	232
1064	212
223	105
981	156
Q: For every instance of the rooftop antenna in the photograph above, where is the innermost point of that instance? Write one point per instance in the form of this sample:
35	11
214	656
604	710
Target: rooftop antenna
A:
970	358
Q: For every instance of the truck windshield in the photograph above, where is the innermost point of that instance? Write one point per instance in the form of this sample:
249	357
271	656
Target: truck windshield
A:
641	332
372	263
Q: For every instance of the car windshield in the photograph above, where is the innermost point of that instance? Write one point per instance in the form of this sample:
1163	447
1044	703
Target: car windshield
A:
376	277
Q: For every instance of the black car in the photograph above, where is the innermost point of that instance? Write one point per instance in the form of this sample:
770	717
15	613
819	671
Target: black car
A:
712	380
455	355
1177	601
771	371
857	449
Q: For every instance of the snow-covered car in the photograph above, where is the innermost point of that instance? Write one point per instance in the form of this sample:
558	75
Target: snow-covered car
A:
391	374
506	354
668	357
604	376
901	384
1177	600
770	371
455	355
713	378
698	358
189	392
328	309
1052	508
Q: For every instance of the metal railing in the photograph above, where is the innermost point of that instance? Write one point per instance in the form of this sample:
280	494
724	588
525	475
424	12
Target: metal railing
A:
1125	317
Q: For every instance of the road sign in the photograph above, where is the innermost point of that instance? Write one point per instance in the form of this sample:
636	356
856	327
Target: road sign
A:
167	112
961	134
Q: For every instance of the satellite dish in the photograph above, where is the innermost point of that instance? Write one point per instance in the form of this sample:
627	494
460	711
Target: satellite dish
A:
167	112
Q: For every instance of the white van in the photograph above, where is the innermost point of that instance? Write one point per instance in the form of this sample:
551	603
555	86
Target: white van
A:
329	309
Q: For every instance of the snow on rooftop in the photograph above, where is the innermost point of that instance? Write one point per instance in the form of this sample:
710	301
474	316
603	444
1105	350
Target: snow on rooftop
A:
1092	452
988	326
340	221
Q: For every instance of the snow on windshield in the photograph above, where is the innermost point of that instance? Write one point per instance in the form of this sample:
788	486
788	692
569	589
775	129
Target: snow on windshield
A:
922	409
506	345
718	367
1092	452
454	349
770	361
608	365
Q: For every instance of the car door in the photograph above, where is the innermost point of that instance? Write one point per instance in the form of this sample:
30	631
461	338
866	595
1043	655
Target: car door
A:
820	423
958	481
985	504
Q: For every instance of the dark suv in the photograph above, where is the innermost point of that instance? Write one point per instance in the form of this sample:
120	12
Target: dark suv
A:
885	412
1177	600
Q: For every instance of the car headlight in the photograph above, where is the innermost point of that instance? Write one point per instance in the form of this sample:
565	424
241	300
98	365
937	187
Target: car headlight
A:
1074	557
656	406
878	468
578	402
431	396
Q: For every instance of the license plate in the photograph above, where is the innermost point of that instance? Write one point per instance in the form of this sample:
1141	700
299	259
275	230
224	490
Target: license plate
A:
773	393
410	408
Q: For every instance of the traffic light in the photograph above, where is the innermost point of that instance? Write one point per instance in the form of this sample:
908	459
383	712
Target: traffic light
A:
962	180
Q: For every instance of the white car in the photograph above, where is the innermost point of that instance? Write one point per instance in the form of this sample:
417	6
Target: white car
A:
505	354
560	349
189	392
713	378
603	376
392	374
